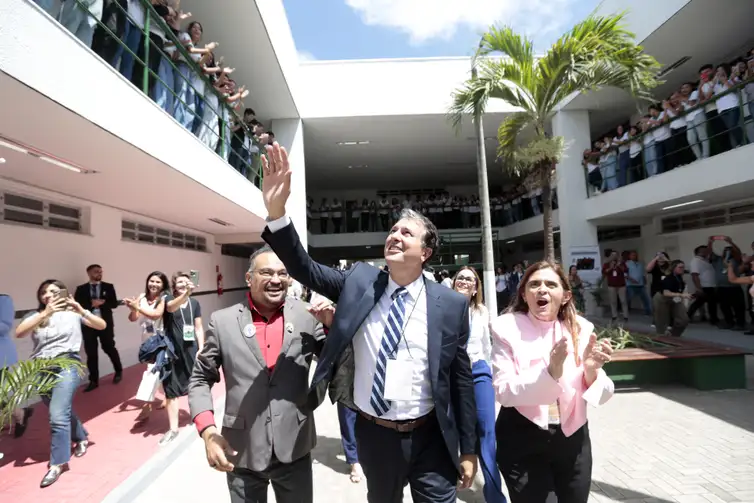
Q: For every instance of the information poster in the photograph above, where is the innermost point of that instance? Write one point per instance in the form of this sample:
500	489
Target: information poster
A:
587	262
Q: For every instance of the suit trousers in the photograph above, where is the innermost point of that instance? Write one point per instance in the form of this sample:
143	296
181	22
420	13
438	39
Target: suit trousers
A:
92	339
391	460
535	462
292	482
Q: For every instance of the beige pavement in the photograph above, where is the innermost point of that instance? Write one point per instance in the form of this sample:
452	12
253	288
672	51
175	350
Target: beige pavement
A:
667	445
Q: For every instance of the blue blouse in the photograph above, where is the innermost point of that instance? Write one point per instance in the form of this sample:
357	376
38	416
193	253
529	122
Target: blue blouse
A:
8	354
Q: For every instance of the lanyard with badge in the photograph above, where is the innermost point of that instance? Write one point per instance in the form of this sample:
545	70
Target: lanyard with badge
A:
399	373
189	334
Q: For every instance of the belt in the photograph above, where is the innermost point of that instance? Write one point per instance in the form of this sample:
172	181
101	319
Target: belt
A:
399	426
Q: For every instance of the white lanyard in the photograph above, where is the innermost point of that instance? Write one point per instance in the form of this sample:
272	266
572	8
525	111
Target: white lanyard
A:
191	314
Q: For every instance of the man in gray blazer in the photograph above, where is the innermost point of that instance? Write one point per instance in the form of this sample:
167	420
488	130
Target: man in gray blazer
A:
264	346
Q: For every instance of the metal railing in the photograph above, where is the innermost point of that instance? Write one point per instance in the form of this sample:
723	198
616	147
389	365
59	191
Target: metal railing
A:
644	156
155	60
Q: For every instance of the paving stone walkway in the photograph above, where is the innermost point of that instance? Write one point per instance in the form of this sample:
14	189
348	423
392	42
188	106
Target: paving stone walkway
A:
664	445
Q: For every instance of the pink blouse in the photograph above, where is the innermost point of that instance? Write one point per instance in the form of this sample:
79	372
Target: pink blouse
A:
521	346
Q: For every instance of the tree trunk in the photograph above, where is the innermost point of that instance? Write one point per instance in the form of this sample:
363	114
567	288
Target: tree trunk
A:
488	256
547	219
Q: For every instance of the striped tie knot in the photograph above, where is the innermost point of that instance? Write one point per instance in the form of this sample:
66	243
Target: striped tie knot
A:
399	292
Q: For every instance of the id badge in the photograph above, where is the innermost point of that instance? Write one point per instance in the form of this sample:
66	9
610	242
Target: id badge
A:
677	300
188	333
398	380
615	274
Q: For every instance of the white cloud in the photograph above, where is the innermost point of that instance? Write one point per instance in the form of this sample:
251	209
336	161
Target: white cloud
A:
304	56
425	20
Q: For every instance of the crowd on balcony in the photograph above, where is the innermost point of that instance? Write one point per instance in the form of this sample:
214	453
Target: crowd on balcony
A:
445	210
698	120
147	42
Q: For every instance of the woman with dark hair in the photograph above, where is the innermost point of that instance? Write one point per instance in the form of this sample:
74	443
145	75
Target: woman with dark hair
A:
547	365
183	324
670	314
467	283
148	310
55	329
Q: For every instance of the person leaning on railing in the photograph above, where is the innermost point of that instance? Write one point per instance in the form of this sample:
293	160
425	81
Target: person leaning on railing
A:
728	106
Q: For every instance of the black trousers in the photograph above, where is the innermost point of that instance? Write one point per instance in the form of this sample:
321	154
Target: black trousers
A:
536	462
709	295
733	305
419	458
92	340
291	482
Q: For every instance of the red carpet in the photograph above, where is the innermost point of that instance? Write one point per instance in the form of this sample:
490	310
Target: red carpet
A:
117	448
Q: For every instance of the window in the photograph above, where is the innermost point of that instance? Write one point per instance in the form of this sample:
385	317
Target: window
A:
618	233
717	217
27	210
147	233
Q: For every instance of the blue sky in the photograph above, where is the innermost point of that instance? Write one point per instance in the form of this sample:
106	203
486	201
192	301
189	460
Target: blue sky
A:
362	29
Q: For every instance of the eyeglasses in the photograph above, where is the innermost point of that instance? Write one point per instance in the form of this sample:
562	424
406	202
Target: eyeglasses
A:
465	279
269	274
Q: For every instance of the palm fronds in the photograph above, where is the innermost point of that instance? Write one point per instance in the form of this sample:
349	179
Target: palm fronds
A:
29	379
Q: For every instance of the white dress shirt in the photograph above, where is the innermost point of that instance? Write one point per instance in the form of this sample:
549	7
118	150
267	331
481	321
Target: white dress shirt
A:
480	342
412	346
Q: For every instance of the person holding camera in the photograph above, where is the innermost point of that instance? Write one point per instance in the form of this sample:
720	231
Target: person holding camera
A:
615	272
670	313
55	329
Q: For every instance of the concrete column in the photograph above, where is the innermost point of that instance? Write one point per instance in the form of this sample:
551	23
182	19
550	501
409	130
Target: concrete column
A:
575	230
290	134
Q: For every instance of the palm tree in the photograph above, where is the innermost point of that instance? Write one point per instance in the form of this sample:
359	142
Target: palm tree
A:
597	52
29	379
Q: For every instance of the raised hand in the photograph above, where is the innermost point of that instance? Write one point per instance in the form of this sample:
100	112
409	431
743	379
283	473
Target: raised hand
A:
323	311
557	358
597	354
276	183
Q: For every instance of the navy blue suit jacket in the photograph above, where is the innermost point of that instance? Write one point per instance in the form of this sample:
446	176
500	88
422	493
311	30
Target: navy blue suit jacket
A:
356	292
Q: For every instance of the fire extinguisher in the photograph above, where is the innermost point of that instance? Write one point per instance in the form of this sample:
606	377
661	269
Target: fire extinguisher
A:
219	281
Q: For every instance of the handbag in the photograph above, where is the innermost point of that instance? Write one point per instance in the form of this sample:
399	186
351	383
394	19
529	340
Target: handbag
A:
148	385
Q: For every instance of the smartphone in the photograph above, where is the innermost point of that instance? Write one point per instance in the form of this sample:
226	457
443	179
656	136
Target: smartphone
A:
62	294
194	276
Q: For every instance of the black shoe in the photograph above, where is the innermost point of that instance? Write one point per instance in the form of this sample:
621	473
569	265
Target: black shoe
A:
20	428
118	377
81	448
52	475
91	387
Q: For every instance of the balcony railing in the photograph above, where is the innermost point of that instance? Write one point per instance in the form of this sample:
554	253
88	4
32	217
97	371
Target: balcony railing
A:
163	69
644	156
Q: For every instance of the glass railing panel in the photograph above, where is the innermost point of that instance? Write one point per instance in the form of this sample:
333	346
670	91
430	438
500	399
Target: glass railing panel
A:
145	41
720	124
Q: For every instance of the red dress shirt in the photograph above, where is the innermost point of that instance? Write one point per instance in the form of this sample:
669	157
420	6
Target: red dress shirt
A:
269	335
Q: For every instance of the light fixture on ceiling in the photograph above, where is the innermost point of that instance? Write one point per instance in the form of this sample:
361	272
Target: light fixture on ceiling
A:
673	66
59	164
220	222
368	247
42	156
688	203
2	160
510	242
359	166
352	143
13	146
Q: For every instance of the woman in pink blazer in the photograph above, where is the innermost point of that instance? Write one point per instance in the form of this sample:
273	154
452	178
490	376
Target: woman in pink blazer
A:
547	366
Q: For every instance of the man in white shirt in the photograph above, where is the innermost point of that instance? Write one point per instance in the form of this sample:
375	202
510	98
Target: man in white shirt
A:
395	352
703	276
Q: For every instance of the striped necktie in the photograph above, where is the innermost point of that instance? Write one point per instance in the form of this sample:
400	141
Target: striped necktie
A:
388	349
